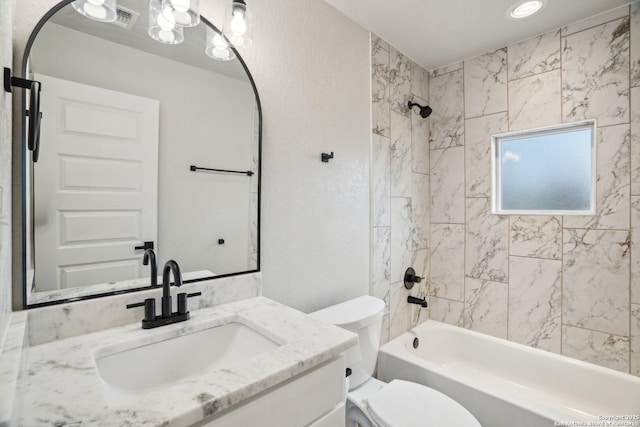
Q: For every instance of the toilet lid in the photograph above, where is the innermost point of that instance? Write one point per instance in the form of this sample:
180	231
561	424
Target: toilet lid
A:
407	404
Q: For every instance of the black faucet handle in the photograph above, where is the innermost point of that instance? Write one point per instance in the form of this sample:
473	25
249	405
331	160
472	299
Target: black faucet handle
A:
144	246
411	278
149	309
135	304
182	301
149	305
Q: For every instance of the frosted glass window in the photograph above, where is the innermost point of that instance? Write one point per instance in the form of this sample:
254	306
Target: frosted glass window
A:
549	171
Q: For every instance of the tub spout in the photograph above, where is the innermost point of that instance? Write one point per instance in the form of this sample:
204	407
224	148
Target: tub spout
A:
419	301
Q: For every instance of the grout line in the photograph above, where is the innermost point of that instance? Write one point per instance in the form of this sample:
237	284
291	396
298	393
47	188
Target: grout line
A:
489	114
508	124
464	192
596	330
615	124
561	279
450	72
595	25
540	73
536	257
371	190
631	250
485	280
449	299
387	202
592	229
430	242
562	92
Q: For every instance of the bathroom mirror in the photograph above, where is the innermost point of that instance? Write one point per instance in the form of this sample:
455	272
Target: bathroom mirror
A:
143	144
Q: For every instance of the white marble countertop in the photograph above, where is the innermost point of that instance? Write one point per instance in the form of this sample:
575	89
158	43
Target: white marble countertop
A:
59	382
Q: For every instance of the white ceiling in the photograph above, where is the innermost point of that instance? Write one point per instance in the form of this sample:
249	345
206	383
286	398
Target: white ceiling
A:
438	32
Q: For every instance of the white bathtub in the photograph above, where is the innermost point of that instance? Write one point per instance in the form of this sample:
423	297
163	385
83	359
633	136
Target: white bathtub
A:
504	384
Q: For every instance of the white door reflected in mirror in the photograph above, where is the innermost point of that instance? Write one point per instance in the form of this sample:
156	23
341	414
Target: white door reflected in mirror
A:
103	147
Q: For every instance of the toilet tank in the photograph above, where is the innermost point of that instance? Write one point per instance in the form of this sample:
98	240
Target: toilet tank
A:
363	316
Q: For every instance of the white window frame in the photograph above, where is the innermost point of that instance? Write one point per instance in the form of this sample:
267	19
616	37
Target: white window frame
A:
496	176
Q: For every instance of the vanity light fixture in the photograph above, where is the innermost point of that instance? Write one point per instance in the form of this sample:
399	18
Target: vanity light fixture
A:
217	46
524	9
186	12
162	24
237	26
98	10
168	18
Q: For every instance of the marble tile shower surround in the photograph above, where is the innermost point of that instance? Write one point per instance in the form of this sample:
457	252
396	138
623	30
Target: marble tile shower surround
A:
400	183
566	284
535	280
446	93
485	78
599	86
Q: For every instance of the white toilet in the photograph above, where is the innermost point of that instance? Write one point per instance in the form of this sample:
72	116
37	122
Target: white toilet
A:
373	403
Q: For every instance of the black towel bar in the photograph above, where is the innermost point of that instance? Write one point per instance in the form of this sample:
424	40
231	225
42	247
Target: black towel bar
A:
198	168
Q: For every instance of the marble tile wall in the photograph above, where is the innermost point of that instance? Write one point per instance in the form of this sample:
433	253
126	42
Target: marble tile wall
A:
400	176
569	285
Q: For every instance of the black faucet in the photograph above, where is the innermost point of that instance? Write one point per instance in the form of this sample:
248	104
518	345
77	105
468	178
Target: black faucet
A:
150	256
167	317
170	267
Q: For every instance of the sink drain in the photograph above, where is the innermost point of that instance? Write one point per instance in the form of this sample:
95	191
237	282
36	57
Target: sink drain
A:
416	342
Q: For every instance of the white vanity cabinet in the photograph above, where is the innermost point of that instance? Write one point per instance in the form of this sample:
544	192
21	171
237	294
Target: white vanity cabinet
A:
313	399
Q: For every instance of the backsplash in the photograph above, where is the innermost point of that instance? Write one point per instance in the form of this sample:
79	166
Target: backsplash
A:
399	185
571	284
67	320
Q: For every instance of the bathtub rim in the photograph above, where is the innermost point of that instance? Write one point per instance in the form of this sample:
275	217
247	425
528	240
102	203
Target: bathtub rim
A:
399	348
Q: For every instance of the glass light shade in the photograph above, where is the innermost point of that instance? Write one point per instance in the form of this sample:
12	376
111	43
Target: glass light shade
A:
185	12
162	24
217	47
237	26
98	10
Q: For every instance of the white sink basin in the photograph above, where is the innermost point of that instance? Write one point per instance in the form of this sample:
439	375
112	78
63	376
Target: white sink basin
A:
174	359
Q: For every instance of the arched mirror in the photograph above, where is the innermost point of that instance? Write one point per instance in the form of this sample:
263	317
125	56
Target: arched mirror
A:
142	144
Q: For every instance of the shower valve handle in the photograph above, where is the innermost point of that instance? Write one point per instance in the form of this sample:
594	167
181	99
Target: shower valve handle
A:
410	278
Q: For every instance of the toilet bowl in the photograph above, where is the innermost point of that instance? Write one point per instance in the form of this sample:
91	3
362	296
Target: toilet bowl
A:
373	403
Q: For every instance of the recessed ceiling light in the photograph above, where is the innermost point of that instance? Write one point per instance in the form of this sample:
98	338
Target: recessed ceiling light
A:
525	8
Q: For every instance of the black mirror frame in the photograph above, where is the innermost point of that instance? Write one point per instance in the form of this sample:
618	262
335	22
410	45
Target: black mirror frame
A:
24	152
